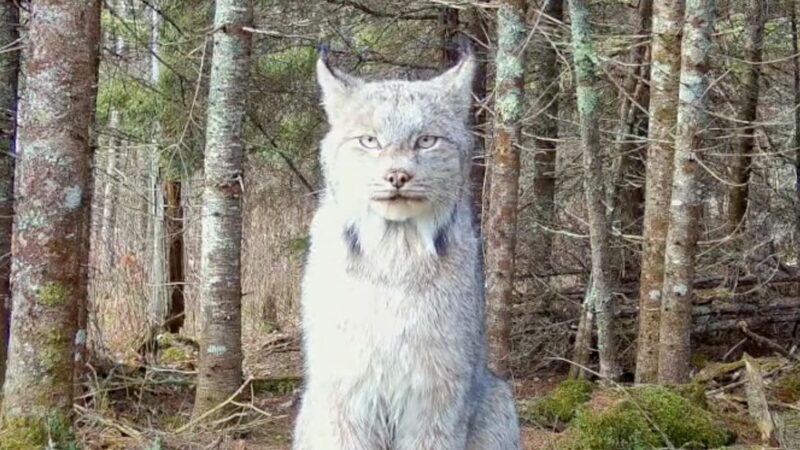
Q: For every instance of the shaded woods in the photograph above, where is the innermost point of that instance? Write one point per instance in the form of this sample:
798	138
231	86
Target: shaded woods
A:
635	176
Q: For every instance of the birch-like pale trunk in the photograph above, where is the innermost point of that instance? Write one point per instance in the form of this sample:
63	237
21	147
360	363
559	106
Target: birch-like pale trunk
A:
50	239
545	85
9	72
158	306
220	368
748	107
109	193
665	63
112	151
501	224
600	293
676	307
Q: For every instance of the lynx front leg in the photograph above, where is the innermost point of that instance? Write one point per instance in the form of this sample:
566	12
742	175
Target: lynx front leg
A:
435	420
326	424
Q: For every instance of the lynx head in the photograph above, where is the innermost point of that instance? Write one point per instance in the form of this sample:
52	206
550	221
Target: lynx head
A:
398	149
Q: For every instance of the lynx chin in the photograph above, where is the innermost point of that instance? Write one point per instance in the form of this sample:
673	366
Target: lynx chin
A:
392	305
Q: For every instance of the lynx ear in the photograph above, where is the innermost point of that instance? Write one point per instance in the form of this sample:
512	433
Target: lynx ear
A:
336	85
457	81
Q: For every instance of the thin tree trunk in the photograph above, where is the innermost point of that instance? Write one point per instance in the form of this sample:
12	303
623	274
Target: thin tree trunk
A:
583	337
545	128
158	306
626	193
478	29
174	233
109	192
665	56
9	71
220	370
676	307
501	229
115	119
796	68
748	107
599	228
81	335
53	182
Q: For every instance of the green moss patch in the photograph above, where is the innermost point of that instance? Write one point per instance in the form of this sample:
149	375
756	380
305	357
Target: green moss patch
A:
559	406
34	433
787	387
54	295
643	418
277	386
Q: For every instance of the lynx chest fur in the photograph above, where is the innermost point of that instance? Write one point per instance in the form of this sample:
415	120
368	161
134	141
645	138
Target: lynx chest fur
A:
392	305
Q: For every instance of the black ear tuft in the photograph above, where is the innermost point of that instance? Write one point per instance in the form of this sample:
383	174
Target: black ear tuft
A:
465	49
323	50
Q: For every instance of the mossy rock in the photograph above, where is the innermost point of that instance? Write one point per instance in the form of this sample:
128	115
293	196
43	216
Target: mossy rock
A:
621	427
177	351
645	417
559	406
33	433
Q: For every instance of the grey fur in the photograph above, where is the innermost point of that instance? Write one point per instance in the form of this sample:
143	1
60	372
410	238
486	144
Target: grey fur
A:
393	309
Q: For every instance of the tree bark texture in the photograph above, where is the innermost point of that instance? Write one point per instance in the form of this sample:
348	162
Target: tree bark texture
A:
600	295
796	69
9	71
665	63
158	303
748	107
501	226
545	82
173	216
52	188
626	193
685	203
220	371
478	29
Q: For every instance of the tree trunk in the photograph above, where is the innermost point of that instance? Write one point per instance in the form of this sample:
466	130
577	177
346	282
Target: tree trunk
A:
546	88
174	234
501	229
625	192
53	182
220	370
796	69
599	230
109	192
665	59
753	45
479	32
583	337
81	335
158	307
9	71
676	307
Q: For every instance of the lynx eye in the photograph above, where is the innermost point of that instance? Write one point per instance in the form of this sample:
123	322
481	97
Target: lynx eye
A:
369	142
427	141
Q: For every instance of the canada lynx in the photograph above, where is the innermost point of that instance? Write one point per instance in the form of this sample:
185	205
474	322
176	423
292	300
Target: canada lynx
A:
393	310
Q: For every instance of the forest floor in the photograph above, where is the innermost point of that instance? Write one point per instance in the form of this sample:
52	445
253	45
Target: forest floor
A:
129	408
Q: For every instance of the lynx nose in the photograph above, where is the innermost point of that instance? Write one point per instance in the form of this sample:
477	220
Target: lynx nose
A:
398	178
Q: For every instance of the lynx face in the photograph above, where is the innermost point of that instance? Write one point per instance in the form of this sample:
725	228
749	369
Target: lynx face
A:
398	149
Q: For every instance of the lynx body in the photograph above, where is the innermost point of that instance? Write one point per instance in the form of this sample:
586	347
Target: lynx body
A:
392	303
